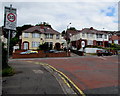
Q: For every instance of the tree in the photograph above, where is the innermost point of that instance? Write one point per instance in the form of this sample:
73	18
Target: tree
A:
63	33
44	24
72	28
45	47
20	29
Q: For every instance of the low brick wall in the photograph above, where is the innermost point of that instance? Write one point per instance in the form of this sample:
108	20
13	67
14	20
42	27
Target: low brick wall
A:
61	54
40	54
37	55
22	50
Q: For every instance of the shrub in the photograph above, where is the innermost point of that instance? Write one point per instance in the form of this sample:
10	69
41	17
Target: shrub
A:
8	71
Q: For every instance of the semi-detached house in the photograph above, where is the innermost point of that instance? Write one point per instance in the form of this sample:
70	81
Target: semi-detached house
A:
90	36
34	36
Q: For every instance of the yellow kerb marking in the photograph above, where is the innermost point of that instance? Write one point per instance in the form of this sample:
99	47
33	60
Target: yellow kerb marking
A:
80	91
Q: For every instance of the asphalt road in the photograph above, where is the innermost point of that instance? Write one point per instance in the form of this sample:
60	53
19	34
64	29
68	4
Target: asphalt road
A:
92	74
30	79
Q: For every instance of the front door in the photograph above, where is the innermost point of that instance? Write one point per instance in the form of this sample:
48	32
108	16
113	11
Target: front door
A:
26	46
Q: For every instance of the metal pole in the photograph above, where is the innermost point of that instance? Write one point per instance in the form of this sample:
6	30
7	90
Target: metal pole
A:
8	42
9	35
67	38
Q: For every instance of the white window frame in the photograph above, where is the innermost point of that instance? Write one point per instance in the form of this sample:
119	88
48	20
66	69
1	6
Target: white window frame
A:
83	34
99	35
26	35
49	36
35	35
35	44
105	36
57	36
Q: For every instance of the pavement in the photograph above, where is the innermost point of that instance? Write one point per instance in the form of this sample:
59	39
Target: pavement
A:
33	79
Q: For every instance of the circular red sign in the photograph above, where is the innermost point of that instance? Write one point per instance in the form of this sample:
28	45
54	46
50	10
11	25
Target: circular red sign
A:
11	17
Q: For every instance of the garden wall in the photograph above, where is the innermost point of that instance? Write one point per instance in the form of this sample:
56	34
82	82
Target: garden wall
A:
40	54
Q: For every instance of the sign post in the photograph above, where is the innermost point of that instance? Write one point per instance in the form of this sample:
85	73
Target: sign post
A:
10	22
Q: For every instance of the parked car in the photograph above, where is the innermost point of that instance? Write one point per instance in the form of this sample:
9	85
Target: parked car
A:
103	53
53	51
29	52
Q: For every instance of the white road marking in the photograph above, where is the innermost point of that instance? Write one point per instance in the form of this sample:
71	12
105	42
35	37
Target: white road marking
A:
102	58
38	71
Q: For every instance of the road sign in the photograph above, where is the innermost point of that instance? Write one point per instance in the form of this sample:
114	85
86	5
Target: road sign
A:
10	18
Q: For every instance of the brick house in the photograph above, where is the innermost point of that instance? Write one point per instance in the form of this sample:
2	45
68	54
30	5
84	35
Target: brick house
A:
115	38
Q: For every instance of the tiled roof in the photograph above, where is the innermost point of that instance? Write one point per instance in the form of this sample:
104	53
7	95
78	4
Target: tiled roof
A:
88	30
115	37
73	32
92	30
41	29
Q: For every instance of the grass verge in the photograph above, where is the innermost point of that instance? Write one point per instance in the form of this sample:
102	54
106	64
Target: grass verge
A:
9	71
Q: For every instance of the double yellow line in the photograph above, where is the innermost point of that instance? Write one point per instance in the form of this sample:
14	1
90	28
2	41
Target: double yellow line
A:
64	77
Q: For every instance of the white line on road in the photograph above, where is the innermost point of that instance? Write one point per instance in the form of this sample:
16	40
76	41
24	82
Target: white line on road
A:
38	71
102	58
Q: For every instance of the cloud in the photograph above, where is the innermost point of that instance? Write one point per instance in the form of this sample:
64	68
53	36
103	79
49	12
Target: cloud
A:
59	14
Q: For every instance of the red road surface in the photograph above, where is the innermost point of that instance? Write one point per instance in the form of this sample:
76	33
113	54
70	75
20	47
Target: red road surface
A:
88	72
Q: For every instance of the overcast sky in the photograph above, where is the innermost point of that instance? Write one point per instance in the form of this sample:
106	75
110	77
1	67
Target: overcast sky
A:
102	15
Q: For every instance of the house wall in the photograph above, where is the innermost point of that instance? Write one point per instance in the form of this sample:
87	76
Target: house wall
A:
91	38
41	40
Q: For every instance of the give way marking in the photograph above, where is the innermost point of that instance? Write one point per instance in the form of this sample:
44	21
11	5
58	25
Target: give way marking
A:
38	71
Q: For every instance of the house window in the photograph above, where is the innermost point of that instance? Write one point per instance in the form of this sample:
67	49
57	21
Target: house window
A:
90	42
57	36
116	41
99	35
35	44
105	36
26	35
35	35
91	35
83	34
49	36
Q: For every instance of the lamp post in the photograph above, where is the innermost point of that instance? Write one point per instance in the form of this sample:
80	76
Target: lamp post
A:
67	37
